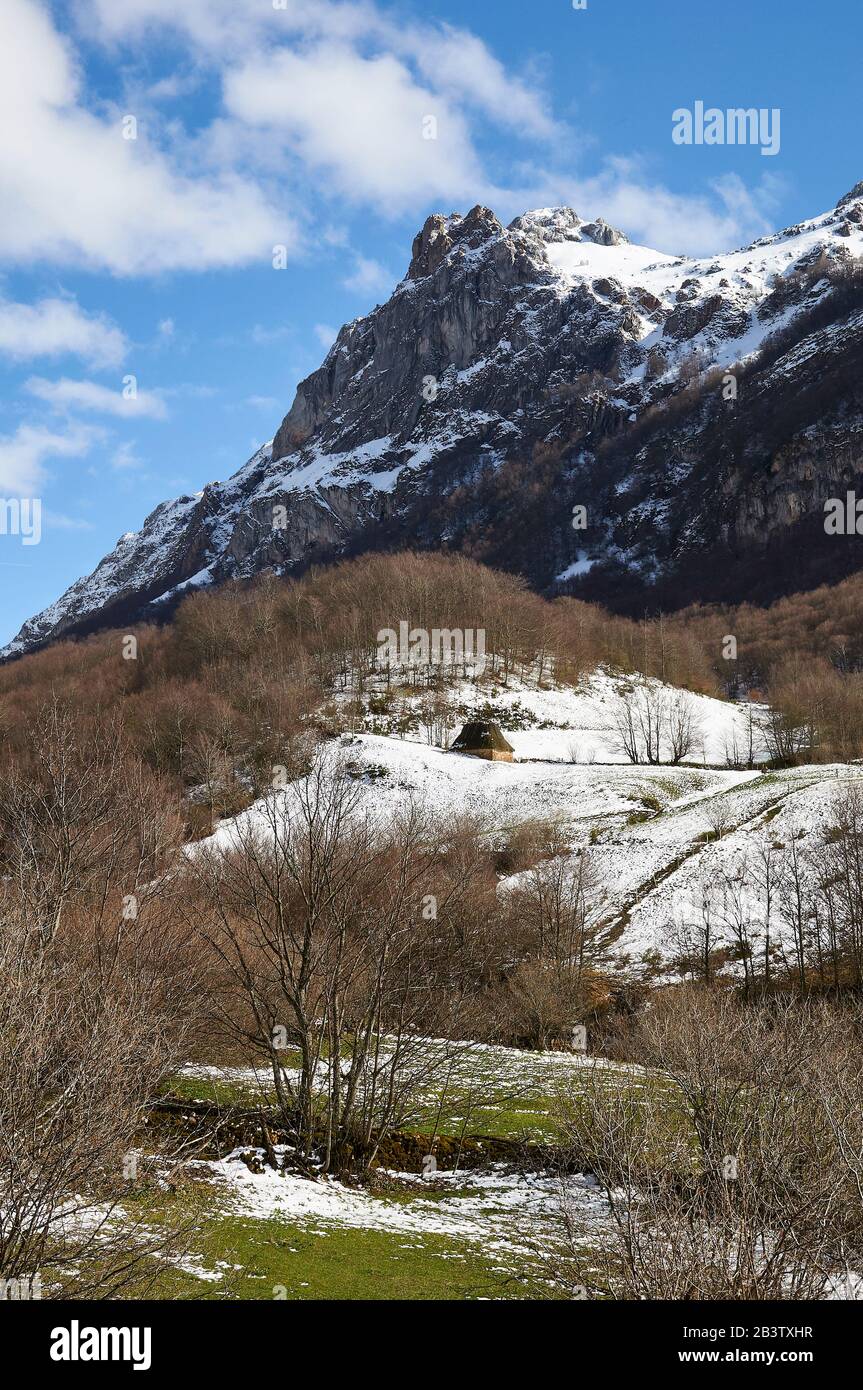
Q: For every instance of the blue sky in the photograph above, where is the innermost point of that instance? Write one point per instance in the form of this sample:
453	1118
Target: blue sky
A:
298	123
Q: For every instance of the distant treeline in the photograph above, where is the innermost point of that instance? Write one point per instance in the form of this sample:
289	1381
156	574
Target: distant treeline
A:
241	672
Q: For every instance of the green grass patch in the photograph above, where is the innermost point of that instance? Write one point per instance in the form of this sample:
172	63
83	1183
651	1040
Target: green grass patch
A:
217	1090
274	1259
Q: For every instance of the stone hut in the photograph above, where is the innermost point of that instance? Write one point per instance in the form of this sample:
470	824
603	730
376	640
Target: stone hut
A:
481	739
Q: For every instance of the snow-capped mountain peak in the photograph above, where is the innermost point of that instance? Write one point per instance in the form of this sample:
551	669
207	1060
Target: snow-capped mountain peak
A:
555	334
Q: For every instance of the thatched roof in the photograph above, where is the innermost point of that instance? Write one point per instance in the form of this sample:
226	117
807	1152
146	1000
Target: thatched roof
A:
481	734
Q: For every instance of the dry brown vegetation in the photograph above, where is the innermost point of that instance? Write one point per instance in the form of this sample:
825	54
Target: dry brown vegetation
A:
99	1001
220	696
735	1171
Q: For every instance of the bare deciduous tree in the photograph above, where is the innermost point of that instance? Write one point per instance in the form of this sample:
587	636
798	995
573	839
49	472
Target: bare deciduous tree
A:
98	997
684	730
733	1171
563	938
328	928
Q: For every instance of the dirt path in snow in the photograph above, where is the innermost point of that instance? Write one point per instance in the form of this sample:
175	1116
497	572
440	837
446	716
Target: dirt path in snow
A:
620	918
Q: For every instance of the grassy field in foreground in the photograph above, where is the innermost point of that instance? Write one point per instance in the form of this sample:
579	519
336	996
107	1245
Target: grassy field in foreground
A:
496	1091
275	1259
237	1253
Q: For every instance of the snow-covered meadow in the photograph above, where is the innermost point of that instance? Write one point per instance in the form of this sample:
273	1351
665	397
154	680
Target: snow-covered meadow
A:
655	833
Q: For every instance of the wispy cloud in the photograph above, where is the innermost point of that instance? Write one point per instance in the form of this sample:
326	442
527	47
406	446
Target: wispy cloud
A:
55	326
124	458
263	336
24	454
59	521
91	396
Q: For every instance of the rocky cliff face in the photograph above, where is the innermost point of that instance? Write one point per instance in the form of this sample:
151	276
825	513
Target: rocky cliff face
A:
696	410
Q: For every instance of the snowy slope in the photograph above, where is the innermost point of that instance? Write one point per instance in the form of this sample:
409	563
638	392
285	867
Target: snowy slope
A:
572	772
611	809
559	723
502	795
650	831
795	806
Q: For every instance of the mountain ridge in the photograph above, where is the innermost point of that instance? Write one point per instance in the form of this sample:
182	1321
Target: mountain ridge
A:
518	372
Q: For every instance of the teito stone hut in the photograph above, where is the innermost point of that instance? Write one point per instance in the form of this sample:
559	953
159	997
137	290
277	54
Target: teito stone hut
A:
481	739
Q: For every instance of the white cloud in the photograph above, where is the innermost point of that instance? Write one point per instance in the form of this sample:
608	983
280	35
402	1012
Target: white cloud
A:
751	206
24	454
174	86
343	89
368	277
458	63
262	402
54	326
262	336
191	390
676	222
359	121
213	25
73	189
69	395
451	59
728	215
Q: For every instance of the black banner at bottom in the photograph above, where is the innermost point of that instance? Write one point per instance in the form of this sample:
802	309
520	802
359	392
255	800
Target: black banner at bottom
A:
81	1339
